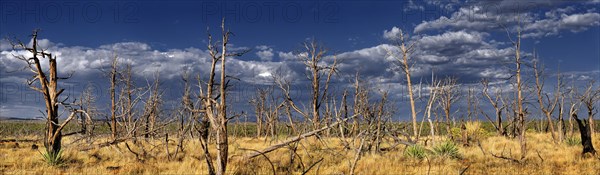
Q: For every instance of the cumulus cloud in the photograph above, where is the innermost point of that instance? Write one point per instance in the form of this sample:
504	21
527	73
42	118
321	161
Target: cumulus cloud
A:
493	15
555	23
474	18
265	53
393	34
146	61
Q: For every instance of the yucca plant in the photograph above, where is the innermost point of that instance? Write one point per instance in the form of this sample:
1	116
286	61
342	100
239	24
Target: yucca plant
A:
53	158
573	141
446	149
416	151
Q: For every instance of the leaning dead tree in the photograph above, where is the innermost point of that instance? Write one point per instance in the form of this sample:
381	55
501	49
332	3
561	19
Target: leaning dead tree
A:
406	50
47	81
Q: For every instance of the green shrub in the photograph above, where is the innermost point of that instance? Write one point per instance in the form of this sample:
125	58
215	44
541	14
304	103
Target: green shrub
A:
416	151
53	158
446	149
573	141
456	132
475	131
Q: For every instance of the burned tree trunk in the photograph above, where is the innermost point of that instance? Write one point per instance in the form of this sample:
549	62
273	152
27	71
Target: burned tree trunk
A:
589	99
586	135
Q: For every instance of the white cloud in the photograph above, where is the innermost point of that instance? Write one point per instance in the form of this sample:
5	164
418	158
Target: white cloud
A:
291	56
5	45
262	47
577	22
491	16
393	34
265	53
557	20
411	5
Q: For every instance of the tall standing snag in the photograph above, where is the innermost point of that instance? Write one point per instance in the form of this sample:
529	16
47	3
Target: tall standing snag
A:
113	105
405	51
313	58
215	105
48	86
519	110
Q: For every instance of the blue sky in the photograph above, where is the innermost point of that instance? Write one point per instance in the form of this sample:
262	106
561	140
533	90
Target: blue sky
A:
455	38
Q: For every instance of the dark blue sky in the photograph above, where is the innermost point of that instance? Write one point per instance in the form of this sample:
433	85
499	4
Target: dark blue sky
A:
458	38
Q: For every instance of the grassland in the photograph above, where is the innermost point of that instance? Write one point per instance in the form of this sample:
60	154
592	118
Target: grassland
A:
327	155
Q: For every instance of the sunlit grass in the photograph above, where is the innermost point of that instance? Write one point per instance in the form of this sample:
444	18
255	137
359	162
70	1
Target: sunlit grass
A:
544	157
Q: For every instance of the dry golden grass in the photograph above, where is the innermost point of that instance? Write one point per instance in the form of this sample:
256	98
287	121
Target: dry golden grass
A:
552	159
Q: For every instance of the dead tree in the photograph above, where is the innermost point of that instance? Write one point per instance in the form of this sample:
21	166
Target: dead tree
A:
472	103
215	105
87	103
186	113
519	110
495	102
547	104
448	95
129	97
434	90
562	129
313	60
113	105
48	87
589	99
403	58
152	106
259	108
266	106
359	93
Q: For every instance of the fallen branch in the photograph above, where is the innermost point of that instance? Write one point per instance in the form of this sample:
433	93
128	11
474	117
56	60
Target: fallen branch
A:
119	140
19	140
295	139
269	160
311	166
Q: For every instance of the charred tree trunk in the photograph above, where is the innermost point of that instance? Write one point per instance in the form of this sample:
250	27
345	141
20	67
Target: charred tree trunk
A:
586	134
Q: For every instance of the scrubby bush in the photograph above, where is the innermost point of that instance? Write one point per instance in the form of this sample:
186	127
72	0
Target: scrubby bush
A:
475	131
416	151
446	149
53	158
